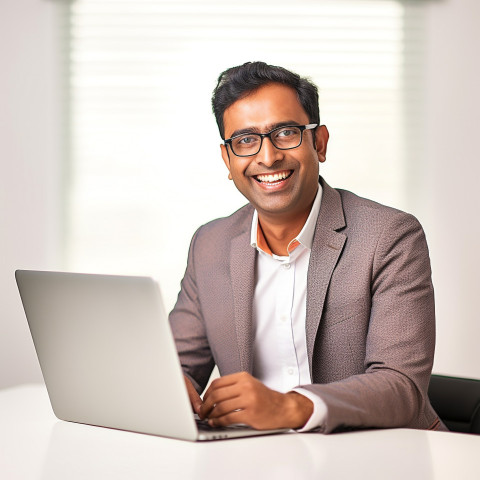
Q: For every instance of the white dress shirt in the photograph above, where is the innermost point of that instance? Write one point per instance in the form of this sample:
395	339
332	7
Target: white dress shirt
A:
280	358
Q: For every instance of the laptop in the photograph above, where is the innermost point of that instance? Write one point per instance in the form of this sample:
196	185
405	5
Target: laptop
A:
108	356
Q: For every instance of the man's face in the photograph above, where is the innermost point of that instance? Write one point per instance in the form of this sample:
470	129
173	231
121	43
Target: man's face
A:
274	197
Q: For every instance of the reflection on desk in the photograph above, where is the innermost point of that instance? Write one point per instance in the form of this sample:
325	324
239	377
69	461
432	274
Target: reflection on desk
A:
35	445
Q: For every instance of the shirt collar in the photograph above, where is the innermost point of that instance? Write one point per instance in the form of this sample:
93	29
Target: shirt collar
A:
305	237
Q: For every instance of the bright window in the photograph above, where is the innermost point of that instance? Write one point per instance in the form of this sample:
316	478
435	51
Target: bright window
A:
145	165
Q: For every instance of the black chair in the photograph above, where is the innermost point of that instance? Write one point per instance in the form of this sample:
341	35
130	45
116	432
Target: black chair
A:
457	402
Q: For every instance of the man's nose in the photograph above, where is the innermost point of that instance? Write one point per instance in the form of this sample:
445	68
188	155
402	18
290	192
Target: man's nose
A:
268	153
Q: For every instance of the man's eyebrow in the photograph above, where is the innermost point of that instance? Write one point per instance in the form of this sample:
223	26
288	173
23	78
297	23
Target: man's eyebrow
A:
267	128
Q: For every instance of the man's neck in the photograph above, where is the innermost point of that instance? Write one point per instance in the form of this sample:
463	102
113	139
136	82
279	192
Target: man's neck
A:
279	233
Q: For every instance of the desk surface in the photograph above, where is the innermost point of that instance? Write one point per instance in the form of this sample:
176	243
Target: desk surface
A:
35	445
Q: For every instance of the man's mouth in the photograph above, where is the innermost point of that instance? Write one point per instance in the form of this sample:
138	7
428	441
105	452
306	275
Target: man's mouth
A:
273	177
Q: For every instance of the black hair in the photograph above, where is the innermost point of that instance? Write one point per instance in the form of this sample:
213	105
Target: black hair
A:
237	82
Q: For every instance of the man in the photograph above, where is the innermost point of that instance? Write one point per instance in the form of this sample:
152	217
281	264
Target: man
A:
315	304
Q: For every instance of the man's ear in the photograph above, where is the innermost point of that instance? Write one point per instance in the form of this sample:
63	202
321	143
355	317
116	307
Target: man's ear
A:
226	159
321	140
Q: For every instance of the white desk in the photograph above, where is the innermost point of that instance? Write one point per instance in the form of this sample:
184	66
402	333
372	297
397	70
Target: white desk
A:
35	445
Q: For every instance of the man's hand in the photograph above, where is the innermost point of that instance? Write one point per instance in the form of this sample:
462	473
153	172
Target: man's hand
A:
241	398
195	399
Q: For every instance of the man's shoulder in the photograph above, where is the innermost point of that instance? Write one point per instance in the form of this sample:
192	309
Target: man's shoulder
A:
362	210
227	227
364	218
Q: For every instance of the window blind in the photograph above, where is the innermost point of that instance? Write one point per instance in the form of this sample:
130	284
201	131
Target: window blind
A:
145	164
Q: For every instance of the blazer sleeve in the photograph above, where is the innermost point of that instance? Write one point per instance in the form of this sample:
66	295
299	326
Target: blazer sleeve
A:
188	327
400	342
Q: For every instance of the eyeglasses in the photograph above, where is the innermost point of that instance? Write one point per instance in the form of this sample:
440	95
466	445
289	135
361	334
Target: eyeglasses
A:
283	138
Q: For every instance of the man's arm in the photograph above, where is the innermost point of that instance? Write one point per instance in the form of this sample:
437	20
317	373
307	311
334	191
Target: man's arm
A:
400	341
189	331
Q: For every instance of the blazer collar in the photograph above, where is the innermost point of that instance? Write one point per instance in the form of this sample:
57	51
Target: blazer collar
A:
242	274
327	246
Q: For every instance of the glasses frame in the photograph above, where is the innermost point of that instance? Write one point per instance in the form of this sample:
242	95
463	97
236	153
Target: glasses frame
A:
302	128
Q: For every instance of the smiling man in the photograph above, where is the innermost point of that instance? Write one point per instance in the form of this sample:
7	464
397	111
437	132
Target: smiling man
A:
315	304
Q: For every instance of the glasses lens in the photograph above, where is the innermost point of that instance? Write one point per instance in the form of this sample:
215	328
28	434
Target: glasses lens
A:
246	144
286	137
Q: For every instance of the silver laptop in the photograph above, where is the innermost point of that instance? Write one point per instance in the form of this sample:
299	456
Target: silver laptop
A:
108	356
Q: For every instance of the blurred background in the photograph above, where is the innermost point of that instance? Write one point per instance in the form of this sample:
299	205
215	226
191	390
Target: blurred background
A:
110	154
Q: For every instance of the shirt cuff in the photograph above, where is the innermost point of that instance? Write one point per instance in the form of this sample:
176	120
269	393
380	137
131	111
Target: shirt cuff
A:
319	414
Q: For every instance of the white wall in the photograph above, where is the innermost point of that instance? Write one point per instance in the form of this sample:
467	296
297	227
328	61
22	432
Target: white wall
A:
451	180
31	170
30	204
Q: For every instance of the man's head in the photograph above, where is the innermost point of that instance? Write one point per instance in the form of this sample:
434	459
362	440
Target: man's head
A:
237	82
261	116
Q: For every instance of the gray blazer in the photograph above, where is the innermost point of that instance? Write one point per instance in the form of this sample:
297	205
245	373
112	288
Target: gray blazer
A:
370	322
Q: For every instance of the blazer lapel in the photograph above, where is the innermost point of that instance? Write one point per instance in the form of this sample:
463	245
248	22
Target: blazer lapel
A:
242	265
326	249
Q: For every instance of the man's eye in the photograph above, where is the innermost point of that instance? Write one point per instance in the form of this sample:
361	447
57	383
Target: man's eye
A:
247	140
286	132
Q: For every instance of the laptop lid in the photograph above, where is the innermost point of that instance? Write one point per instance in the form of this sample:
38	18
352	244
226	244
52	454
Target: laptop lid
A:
106	352
108	356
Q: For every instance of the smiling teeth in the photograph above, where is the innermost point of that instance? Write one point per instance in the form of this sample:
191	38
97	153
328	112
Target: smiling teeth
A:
273	178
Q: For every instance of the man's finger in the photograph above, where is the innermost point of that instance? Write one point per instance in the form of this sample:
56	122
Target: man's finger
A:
218	396
195	399
225	408
229	419
222	382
